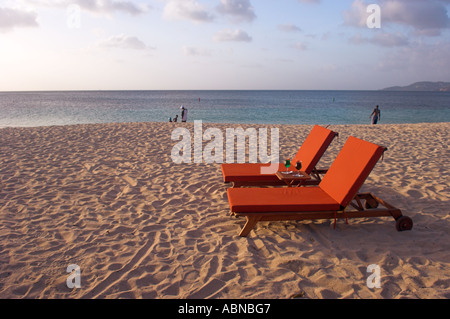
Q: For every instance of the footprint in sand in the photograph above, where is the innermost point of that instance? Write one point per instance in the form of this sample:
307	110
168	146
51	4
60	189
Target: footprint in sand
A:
414	193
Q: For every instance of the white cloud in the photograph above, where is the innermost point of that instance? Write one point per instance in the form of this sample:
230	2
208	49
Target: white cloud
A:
96	6
108	6
300	46
187	10
357	15
289	28
238	10
194	51
230	35
122	41
424	17
382	39
15	18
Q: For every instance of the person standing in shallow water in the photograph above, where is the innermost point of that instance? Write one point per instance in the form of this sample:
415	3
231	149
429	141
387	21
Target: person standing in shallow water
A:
183	114
376	115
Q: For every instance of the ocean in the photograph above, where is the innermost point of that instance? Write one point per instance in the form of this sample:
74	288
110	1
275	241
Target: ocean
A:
252	107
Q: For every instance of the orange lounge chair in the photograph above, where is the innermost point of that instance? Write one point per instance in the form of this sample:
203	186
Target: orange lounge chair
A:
337	191
312	149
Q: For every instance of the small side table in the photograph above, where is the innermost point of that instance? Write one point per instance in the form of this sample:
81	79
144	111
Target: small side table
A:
293	178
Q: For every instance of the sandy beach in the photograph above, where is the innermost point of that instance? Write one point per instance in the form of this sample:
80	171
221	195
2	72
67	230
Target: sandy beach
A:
108	198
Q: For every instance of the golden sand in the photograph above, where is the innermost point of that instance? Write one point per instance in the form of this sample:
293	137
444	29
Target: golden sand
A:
108	198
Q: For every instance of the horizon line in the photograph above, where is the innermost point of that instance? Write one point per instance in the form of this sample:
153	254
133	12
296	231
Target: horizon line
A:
149	90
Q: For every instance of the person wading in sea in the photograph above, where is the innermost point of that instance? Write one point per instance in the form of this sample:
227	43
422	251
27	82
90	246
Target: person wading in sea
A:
183	114
376	115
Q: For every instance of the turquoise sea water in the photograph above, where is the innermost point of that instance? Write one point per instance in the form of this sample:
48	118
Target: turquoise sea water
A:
259	107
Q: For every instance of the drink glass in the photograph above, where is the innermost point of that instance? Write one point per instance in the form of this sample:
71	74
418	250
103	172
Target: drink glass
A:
287	163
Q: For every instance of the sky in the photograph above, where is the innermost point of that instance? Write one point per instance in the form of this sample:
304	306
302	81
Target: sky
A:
222	44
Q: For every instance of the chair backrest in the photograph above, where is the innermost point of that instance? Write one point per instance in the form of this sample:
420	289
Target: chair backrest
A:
313	148
350	169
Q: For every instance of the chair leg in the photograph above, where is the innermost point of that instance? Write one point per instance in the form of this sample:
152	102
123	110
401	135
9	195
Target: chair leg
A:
335	218
251	222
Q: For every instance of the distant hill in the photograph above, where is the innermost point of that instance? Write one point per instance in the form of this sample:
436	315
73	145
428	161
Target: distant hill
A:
422	86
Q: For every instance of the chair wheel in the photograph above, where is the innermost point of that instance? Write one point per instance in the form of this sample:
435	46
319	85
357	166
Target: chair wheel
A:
404	223
371	203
